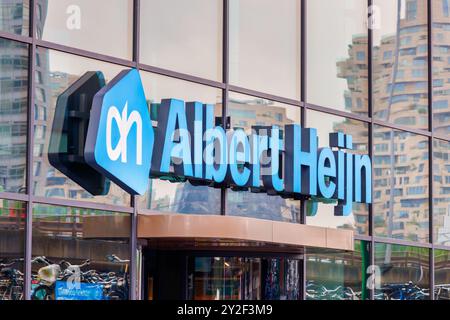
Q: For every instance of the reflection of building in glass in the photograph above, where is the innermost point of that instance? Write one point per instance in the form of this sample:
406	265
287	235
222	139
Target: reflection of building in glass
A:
400	162
354	70
245	115
441	120
50	82
443	230
441	67
441	191
257	112
442	274
359	133
334	275
48	85
14	16
194	199
13	98
405	272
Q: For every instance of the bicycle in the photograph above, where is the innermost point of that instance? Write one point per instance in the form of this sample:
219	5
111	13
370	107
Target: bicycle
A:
11	281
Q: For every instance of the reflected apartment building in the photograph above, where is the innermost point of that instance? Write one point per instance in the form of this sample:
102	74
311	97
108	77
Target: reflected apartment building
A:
14	97
400	96
393	232
244	113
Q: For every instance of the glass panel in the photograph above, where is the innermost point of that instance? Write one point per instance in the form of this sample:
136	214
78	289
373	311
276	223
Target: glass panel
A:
74	259
337	55
246	112
265	40
320	212
55	72
192	38
441	192
15	16
441	67
281	279
233	278
171	195
217	278
13	115
442	275
103	26
404	272
400	185
12	244
337	275
400	79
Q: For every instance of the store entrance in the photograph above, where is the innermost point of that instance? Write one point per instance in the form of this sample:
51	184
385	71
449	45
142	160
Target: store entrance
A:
220	276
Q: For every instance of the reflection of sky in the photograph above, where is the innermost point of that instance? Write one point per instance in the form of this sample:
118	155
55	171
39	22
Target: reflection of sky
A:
325	217
264	47
387	20
74	65
183	35
330	33
104	25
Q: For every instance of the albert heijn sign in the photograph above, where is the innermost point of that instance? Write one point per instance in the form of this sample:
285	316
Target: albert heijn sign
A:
121	144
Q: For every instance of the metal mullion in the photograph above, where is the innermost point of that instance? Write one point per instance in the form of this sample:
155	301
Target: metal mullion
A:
264	95
371	130
30	143
336	112
181	76
83	53
13	196
401	128
136	31
441	247
303	70
133	198
441	137
133	248
303	88
80	204
15	37
430	149
402	242
361	237
225	41
225	80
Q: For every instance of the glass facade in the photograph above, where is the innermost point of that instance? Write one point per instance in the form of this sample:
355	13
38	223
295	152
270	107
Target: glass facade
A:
400	185
342	68
192	45
15	17
12	245
334	275
55	72
400	67
222	278
404	272
248	113
262	31
309	62
72	257
13	115
320	212
82	25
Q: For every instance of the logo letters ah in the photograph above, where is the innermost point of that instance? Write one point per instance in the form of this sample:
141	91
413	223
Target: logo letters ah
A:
124	123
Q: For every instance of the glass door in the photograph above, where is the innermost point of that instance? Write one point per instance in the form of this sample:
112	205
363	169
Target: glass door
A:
242	278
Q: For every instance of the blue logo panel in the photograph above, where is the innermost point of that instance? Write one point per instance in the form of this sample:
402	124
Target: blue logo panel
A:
78	291
120	136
